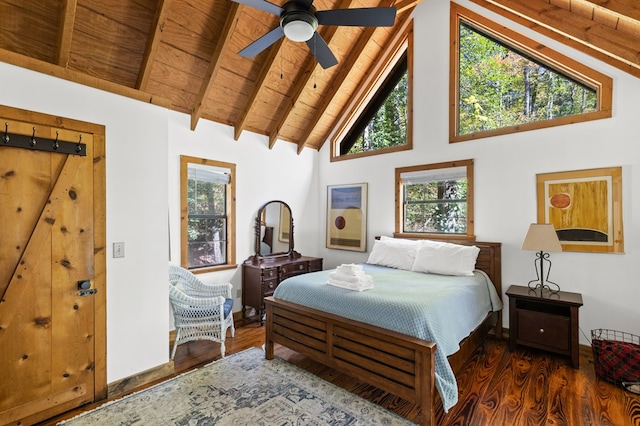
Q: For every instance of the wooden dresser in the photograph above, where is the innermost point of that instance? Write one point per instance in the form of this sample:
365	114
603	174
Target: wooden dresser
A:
261	276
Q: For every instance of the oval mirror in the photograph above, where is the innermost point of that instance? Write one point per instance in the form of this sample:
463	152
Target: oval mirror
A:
274	230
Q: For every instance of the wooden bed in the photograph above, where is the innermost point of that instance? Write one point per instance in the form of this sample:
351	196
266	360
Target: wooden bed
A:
399	364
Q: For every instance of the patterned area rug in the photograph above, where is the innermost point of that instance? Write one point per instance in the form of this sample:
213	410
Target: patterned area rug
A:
241	389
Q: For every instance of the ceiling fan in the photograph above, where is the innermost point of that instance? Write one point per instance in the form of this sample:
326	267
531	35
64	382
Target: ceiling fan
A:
299	21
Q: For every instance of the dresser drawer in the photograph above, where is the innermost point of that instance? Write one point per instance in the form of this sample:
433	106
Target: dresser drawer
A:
544	330
268	286
315	265
269	273
293	268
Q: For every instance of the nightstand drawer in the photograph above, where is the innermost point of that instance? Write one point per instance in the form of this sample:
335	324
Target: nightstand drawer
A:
543	330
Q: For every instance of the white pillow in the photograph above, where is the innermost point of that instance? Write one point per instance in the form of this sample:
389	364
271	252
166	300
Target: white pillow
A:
389	252
445	258
401	242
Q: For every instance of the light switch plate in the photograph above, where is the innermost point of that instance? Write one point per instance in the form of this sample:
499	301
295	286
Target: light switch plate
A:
118	249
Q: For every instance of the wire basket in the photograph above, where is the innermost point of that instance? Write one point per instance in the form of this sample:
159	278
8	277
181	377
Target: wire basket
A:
616	357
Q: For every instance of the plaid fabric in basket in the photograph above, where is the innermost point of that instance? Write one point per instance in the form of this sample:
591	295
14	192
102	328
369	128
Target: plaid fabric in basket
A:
616	361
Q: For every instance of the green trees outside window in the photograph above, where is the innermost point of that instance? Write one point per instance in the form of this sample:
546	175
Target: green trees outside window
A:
436	207
435	199
500	87
207	214
207	223
384	123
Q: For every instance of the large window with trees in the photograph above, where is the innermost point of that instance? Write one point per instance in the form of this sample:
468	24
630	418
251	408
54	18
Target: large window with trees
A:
435	199
207	214
507	83
378	120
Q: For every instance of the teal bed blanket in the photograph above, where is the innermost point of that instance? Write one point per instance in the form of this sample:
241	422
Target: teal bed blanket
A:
437	308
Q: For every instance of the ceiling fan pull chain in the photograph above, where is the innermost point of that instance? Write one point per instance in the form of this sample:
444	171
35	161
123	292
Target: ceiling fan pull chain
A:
315	44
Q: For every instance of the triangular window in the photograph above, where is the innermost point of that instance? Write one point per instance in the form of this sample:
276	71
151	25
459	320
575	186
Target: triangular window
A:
505	83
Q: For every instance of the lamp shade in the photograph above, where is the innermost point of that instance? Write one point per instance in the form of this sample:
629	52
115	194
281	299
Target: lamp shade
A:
541	237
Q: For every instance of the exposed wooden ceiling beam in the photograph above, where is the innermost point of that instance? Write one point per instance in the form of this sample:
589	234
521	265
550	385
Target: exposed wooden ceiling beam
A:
257	88
626	9
153	43
302	82
616	48
404	5
65	34
215	64
80	78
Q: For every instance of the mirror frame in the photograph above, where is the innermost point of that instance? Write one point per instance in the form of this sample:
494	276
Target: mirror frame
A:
291	253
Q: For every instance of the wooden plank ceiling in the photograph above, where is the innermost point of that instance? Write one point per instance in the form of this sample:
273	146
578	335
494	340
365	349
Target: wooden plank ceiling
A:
183	54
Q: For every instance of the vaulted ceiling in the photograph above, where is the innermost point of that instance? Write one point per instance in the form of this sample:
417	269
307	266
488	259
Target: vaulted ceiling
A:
183	54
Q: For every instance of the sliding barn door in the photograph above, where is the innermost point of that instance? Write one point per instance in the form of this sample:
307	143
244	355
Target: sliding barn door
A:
47	321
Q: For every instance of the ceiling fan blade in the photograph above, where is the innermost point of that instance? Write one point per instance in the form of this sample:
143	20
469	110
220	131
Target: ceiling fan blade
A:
262	43
364	17
262	5
321	51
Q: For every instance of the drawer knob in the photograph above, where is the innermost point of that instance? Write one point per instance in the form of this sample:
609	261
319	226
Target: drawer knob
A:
300	267
271	286
541	330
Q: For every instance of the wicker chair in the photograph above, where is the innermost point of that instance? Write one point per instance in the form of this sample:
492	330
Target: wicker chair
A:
201	311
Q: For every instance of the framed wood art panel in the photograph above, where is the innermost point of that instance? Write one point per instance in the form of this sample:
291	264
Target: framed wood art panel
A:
347	217
585	207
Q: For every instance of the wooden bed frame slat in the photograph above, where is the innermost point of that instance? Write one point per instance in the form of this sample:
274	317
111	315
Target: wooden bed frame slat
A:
400	364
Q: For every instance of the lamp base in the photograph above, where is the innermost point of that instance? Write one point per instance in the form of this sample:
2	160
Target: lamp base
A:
550	286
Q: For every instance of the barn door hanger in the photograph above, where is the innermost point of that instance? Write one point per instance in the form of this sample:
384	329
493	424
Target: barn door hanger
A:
43	144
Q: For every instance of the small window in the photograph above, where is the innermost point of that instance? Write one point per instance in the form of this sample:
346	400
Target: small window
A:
506	83
435	199
208	214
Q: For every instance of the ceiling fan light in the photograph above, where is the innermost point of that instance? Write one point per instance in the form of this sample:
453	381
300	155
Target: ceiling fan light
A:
299	30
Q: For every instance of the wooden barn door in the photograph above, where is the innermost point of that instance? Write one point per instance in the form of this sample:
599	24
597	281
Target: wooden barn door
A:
48	336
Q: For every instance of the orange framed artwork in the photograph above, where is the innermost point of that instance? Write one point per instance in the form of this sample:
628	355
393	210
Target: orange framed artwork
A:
585	207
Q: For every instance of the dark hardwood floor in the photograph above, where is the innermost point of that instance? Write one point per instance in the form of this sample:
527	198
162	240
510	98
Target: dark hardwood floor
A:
497	387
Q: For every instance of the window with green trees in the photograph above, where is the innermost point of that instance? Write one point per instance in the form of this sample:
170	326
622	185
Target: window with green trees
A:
506	83
383	123
207	213
435	198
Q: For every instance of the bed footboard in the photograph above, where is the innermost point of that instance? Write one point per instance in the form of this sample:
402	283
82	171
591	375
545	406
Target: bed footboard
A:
396	363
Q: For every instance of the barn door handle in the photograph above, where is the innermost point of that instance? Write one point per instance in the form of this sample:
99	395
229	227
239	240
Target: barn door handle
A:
85	289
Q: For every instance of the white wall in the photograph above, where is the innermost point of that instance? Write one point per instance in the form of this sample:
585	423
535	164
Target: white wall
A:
144	143
505	176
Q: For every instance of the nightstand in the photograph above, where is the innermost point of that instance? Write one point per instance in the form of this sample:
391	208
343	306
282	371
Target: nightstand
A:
544	320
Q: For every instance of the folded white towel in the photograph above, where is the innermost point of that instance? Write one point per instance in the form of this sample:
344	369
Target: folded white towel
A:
361	286
354	278
350	268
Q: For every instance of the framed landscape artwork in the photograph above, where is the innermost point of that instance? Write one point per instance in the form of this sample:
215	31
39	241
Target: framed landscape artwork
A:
585	207
347	217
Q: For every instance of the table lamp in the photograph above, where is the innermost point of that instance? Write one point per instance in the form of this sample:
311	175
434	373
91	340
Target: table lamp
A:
542	238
